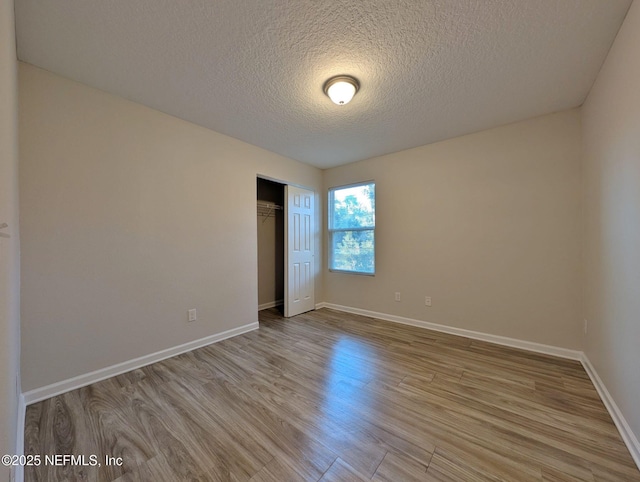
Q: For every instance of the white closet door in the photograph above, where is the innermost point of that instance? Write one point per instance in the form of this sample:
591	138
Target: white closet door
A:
299	252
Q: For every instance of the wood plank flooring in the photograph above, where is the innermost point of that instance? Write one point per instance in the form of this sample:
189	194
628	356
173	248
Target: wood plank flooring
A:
328	396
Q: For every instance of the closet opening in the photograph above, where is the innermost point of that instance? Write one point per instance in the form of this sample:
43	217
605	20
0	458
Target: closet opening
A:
271	244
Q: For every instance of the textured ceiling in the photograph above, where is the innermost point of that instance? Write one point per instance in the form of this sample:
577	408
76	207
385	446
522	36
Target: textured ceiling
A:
254	70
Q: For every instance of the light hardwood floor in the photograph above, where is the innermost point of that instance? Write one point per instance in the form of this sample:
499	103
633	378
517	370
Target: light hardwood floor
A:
336	397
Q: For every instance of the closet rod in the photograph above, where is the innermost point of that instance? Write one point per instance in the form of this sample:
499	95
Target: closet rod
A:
268	204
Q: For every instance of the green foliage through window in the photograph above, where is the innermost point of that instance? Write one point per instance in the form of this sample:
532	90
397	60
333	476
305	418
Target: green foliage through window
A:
352	222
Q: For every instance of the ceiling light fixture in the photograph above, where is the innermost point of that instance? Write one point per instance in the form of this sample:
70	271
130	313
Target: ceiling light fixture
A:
341	88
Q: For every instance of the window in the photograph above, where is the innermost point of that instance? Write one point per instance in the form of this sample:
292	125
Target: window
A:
352	225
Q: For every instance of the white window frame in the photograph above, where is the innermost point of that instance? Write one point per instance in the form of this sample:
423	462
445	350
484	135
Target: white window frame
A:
331	230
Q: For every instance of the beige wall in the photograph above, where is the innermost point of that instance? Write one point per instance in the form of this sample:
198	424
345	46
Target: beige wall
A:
131	217
9	247
611	144
487	224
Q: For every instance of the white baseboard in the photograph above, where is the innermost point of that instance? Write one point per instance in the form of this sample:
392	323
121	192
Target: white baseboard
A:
18	470
476	335
270	304
629	438
322	304
43	393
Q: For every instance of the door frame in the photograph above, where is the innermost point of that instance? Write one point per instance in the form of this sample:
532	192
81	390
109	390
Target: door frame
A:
317	247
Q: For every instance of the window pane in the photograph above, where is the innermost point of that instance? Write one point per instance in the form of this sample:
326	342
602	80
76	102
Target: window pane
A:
353	251
353	207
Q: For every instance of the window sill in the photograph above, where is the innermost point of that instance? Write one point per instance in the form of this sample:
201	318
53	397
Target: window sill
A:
359	273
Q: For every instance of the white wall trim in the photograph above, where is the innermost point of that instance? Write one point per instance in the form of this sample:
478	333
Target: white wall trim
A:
476	335
18	470
322	304
270	304
43	393
629	438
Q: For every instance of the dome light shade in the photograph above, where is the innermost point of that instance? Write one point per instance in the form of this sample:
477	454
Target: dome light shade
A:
341	89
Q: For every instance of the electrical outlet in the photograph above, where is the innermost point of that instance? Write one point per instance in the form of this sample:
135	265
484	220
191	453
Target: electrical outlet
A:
192	315
586	326
427	300
397	296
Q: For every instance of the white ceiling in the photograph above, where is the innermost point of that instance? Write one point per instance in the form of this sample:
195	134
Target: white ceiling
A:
429	69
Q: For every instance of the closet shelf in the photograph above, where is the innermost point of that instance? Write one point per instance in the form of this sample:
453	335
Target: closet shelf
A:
268	209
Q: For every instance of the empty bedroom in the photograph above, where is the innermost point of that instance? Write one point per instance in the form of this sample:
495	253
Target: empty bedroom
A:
319	241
